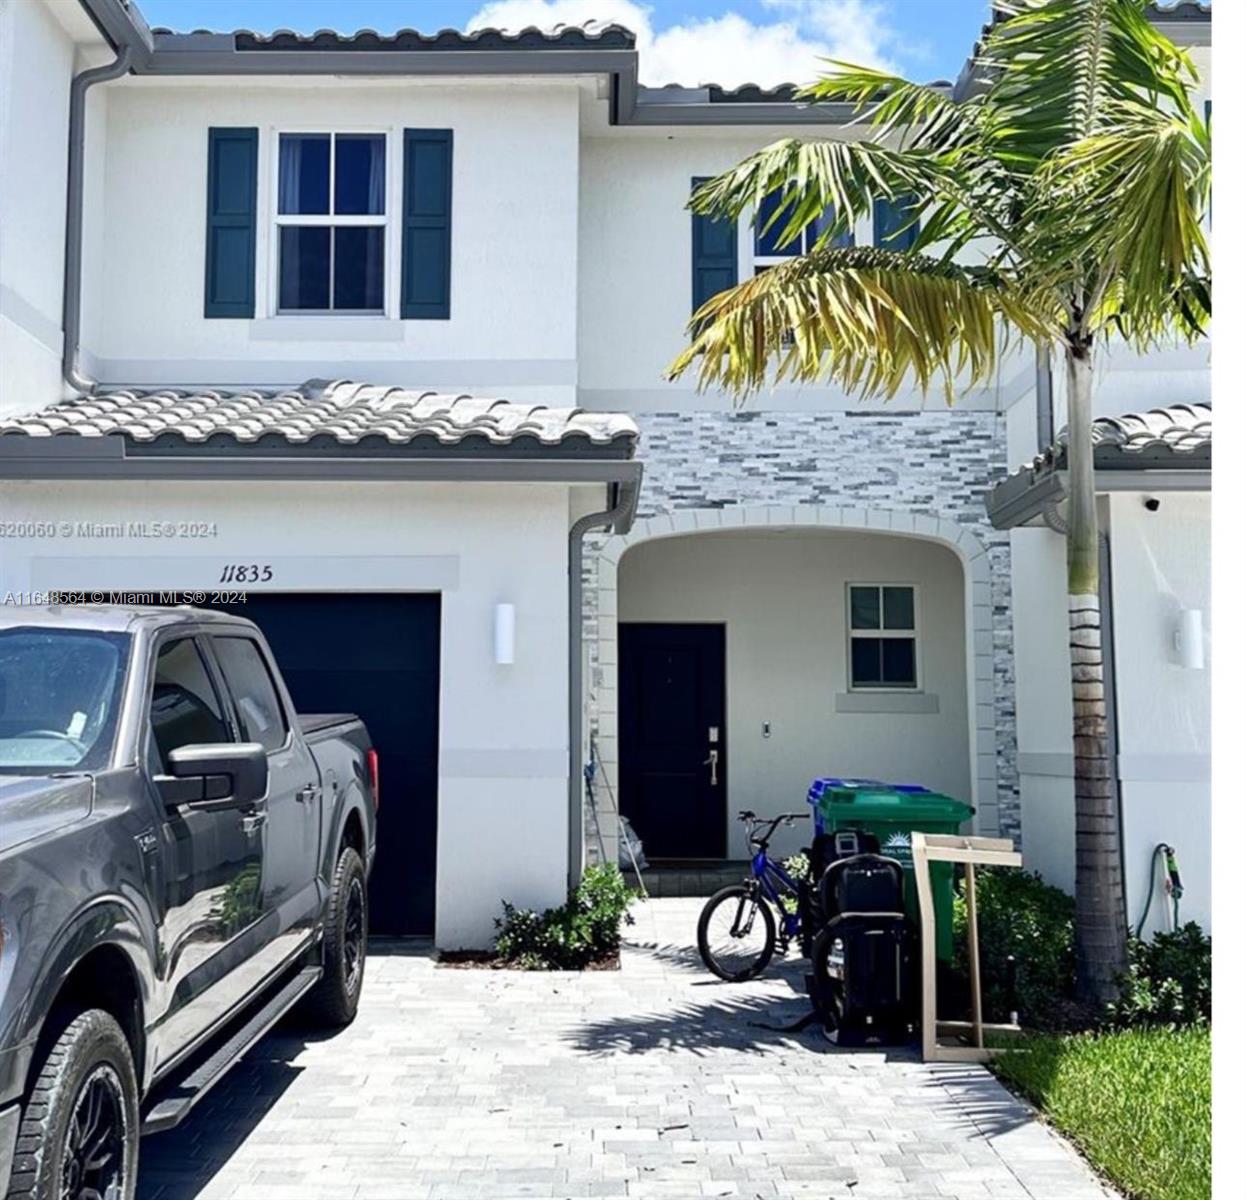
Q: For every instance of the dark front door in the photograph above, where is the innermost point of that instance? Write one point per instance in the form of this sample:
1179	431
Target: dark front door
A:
672	737
377	655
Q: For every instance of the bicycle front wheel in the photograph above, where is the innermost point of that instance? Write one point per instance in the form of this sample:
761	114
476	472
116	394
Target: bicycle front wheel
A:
736	933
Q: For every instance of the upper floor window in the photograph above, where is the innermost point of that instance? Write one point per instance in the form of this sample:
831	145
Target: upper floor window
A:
882	636
331	222
894	225
766	249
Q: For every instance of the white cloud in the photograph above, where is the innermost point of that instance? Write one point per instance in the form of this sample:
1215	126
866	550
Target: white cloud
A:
727	49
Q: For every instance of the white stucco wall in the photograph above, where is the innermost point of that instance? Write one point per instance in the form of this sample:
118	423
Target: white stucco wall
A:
36	67
782	597
1161	564
1044	704
636	276
512	329
502	806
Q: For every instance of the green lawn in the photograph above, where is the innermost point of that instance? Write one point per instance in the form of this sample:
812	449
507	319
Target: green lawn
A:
1137	1103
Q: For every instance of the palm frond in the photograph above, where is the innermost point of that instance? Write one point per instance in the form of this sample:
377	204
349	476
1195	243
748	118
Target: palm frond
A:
925	115
868	319
816	177
1148	173
1056	65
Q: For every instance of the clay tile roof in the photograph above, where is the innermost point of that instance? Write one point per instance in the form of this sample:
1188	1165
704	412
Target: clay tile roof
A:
318	414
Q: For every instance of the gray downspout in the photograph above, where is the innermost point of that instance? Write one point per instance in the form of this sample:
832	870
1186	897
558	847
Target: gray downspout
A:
71	312
620	513
1044	402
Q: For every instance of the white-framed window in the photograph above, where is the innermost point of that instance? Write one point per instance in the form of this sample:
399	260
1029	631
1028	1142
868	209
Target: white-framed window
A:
882	637
333	232
768	253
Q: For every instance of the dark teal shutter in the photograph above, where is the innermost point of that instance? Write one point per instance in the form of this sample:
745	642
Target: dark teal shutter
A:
229	275
889	216
427	158
714	246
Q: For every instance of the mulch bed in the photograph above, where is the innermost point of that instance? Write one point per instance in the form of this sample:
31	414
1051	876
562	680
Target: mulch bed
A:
486	960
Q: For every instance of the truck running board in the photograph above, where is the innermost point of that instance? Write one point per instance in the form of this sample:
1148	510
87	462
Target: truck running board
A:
175	1097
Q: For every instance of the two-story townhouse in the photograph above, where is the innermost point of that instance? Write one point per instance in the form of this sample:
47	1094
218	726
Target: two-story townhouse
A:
805	586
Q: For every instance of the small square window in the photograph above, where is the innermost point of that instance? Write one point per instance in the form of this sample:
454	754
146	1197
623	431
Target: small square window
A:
882	636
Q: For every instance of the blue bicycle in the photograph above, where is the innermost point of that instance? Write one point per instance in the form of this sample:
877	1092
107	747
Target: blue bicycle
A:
737	933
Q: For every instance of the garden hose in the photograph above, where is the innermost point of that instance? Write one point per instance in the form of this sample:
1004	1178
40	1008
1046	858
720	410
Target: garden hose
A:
1173	884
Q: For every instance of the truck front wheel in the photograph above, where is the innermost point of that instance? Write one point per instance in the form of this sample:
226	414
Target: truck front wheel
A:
335	999
80	1127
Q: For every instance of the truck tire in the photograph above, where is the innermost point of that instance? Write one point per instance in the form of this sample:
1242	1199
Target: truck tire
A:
80	1126
335	999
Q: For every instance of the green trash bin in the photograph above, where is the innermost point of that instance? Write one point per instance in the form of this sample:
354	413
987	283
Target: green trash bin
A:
892	812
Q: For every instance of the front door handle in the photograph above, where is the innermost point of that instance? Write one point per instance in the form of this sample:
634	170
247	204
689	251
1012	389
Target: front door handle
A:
712	763
254	822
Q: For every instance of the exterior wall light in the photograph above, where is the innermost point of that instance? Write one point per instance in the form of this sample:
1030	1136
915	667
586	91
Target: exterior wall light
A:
504	634
1188	639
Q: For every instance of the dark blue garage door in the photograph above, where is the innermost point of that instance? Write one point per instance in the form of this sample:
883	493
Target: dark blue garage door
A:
378	656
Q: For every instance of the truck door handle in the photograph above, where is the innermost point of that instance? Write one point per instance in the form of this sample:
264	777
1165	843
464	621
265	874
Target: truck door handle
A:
254	822
712	763
307	794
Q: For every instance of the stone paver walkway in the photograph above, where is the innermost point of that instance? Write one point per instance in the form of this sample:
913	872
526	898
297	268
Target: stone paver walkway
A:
656	1080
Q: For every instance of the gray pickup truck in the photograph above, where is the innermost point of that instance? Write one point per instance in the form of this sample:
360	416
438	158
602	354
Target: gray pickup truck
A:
183	859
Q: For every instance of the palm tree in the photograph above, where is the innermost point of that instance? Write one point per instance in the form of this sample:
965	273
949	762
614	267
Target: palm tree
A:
1060	202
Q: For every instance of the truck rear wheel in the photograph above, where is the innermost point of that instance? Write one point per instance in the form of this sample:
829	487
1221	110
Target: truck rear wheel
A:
80	1126
335	999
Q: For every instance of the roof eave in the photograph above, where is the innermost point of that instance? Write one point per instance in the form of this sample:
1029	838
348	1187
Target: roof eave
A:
652	111
77	456
216	54
1023	498
121	24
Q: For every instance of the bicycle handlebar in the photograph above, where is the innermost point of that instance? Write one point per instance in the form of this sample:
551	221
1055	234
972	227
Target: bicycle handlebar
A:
768	824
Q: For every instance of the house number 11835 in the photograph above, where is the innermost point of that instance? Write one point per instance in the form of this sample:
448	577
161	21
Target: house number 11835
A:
246	573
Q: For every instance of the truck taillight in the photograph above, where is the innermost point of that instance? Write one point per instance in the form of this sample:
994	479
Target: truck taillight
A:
374	777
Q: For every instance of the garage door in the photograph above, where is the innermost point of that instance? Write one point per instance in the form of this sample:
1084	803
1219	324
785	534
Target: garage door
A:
375	655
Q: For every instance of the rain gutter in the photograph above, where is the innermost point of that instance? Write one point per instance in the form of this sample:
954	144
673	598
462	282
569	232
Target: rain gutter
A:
71	311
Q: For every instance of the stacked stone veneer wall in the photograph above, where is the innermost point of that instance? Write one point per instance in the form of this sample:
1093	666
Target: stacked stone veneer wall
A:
924	474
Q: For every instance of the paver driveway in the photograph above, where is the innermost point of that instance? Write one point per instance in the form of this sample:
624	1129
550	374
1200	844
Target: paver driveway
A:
655	1080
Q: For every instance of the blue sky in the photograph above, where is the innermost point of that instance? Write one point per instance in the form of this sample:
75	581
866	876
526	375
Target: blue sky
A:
681	41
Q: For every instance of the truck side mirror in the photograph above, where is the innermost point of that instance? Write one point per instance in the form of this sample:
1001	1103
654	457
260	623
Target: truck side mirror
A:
214	776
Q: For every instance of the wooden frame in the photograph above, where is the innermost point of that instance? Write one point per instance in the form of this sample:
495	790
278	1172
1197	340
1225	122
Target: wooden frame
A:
972	852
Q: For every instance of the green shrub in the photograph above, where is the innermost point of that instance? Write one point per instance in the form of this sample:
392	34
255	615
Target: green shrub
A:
1019	914
1168	981
585	930
1137	1102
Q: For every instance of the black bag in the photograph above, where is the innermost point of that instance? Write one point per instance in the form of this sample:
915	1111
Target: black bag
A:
865	883
827	848
863	978
863	959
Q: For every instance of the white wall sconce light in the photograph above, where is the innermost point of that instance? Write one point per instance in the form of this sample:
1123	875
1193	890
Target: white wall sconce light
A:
504	634
1188	639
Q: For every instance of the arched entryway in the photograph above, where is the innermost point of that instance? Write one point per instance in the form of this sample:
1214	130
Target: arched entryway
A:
759	621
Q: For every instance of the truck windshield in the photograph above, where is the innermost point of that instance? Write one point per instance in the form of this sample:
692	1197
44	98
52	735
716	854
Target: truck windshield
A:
60	691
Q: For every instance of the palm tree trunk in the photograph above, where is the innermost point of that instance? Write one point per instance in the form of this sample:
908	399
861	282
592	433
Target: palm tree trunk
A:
1100	895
